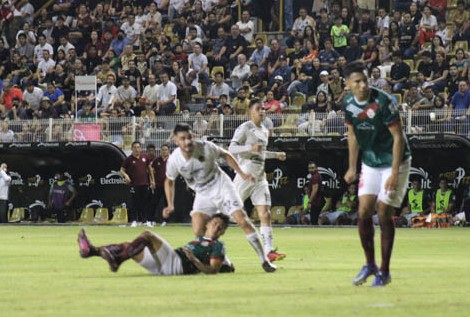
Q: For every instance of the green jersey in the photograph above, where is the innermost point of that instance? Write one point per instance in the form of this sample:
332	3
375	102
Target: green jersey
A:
370	120
204	249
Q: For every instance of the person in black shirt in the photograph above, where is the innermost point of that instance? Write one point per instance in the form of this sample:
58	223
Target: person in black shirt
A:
426	65
399	73
453	79
298	52
365	27
235	44
353	52
408	37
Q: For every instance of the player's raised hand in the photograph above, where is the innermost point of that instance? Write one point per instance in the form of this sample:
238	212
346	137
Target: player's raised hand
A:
281	156
350	176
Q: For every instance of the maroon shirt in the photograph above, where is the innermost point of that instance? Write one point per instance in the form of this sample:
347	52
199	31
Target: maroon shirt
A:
316	179
159	166
137	169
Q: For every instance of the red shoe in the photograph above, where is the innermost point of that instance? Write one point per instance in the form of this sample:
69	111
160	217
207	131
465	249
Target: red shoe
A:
276	256
84	244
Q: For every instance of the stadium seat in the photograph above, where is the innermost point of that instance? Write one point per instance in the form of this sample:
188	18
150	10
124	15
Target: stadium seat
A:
460	44
101	216
295	209
289	125
17	215
86	215
119	216
278	214
217	69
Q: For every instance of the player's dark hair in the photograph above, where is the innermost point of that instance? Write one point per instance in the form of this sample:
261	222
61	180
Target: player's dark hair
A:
223	217
354	67
136	142
182	127
164	145
150	146
443	178
253	102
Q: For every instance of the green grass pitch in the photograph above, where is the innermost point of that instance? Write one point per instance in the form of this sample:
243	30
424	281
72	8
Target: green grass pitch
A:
41	274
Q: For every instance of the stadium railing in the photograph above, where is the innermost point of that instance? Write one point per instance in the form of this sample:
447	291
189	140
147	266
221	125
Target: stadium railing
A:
123	131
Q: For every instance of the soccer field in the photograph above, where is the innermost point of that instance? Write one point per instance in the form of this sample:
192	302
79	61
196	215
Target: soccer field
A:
42	274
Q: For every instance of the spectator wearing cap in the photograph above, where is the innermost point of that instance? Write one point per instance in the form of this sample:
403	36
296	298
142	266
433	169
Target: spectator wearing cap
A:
399	73
240	72
24	47
325	81
284	70
39	49
119	42
167	95
46	110
235	44
125	92
328	55
240	103
280	91
32	95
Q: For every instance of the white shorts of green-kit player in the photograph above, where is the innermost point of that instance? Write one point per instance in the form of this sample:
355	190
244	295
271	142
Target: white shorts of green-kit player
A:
372	182
163	262
219	195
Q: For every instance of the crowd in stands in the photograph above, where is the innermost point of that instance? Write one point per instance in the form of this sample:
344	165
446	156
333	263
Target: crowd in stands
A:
164	57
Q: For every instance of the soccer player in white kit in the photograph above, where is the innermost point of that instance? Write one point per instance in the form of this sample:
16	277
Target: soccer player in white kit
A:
196	161
249	143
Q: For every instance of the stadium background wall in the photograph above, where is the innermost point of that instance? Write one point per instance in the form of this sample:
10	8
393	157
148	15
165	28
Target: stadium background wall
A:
94	169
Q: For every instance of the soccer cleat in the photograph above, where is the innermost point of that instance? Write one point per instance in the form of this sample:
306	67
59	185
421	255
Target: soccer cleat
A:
227	268
366	271
276	256
84	244
382	279
268	267
108	255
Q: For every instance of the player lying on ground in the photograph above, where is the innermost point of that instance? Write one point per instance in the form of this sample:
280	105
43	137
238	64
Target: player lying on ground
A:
204	254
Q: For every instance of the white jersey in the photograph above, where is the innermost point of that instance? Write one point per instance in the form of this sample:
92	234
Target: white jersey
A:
200	170
246	135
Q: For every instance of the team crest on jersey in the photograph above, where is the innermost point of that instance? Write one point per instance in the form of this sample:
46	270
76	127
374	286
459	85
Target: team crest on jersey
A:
368	112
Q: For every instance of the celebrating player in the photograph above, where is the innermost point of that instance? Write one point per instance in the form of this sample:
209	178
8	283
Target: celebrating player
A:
196	161
249	142
204	254
374	126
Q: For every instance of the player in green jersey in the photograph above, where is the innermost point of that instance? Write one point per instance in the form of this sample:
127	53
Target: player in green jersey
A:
204	254
375	128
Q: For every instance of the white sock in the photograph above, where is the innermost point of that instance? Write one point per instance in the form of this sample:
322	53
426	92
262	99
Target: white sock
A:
255	241
267	236
148	261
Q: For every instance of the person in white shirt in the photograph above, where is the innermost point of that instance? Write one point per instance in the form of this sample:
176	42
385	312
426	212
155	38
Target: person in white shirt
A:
5	181
106	94
427	26
246	26
45	66
240	72
40	47
132	30
249	143
200	125
33	95
197	162
150	91
153	17
167	95
383	23
299	26
198	62
65	45
126	92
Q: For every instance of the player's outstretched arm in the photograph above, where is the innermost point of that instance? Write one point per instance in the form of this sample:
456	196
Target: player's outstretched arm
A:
232	162
281	156
353	148
212	268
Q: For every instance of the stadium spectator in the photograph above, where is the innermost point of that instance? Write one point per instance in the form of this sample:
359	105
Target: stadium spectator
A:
376	80
205	254
328	55
408	37
32	95
452	80
246	26
300	24
399	73
365	27
339	34
6	134
235	44
106	94
10	95
61	196
218	88
45	67
427	26
273	58
240	103
24	48
354	50
5	181
46	110
137	174
167	95
240	72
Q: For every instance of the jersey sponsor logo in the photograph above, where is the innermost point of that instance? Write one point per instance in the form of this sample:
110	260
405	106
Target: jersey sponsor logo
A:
113	178
423	175
365	126
16	179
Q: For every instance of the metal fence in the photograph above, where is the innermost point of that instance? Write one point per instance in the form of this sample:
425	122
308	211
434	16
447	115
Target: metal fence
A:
122	131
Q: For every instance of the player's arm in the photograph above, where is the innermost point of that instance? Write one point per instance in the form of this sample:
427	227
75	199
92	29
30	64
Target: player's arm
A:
353	155
151	172
232	162
397	154
212	268
276	155
170	196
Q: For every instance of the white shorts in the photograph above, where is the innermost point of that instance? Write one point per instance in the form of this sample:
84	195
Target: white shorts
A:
220	196
164	262
372	182
257	190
